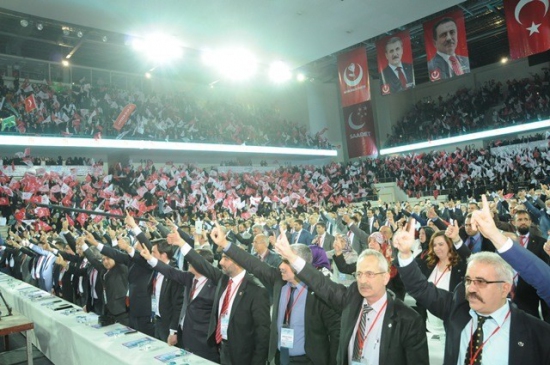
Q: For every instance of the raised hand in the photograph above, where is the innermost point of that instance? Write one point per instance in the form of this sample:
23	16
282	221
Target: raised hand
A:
145	253
218	236
283	248
482	220
452	232
339	245
174	238
129	220
90	238
403	240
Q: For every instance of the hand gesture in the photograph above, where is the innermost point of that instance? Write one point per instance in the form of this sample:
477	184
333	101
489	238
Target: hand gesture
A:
339	245
283	248
174	238
145	253
482	220
123	244
129	220
452	232
218	236
431	214
90	238
403	240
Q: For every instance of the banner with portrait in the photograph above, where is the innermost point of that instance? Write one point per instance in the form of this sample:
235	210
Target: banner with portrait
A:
353	74
446	46
528	24
360	133
395	63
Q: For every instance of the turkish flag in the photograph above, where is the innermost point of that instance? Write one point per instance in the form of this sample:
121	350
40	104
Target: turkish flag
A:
528	24
69	219
30	103
81	218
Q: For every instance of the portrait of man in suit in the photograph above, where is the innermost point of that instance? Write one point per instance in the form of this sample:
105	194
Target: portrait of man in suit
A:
397	76
446	63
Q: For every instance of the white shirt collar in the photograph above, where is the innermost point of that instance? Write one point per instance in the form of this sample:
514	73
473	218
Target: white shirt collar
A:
377	306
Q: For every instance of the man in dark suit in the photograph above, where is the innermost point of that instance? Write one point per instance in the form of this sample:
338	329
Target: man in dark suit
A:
315	328
198	302
261	243
477	310
370	223
397	75
356	236
446	63
240	322
472	237
395	333
301	235
323	239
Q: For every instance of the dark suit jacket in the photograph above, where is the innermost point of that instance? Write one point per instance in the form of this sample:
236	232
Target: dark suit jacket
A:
403	338
391	79
139	278
446	72
248	329
528	335
305	237
194	333
328	243
322	324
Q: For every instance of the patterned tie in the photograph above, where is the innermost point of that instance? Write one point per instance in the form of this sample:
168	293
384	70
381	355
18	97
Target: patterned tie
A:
360	335
402	77
225	307
475	343
457	69
285	353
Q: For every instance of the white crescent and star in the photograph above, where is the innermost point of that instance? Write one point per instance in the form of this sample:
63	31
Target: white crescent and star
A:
534	28
352	125
352	83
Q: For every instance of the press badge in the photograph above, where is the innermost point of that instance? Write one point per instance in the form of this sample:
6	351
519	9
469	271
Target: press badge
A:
287	337
224	325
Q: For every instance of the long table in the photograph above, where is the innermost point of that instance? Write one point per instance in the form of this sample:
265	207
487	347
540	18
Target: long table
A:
70	336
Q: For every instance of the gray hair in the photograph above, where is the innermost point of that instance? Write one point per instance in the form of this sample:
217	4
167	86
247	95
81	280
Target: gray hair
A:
502	268
303	251
262	238
382	262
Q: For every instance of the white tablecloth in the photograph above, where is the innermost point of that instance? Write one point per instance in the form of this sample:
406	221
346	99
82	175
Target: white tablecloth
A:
66	337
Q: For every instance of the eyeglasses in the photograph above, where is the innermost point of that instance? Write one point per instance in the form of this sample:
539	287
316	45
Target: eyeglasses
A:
480	283
367	274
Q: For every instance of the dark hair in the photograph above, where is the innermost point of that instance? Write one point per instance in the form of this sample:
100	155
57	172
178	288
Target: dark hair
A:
432	259
299	221
206	254
442	21
322	224
521	212
428	231
163	247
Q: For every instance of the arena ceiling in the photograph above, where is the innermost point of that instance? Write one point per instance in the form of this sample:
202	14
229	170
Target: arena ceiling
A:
308	34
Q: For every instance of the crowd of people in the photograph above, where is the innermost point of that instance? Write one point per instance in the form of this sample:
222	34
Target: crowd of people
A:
85	110
490	106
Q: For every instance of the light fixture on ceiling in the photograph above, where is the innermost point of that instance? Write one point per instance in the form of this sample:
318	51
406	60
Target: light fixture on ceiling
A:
39	26
79	34
104	38
147	75
279	72
65	63
24	23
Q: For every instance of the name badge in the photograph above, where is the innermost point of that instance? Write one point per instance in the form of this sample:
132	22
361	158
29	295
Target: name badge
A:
287	337
224	326
154	304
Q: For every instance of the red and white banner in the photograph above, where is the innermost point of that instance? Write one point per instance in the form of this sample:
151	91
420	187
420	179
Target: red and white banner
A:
124	116
446	46
30	103
360	136
353	73
395	63
528	23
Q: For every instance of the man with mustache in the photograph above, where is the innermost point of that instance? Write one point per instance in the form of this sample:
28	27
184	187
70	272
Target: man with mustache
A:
479	320
397	75
376	327
446	63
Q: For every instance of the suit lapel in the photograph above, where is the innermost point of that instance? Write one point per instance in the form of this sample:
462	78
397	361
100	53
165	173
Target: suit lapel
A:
238	296
388	326
351	315
519	339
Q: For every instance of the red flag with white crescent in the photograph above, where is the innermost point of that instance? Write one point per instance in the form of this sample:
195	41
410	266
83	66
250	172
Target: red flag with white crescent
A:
528	23
353	73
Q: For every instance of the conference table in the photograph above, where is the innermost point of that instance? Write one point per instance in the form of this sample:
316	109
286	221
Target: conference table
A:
67	335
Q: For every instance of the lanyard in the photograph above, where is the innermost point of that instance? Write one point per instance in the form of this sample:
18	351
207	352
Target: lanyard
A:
474	356
362	340
441	276
230	298
289	310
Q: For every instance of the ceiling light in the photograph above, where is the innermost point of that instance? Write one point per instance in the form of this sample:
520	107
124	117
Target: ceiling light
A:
301	77
24	23
65	63
504	60
148	75
159	47
235	63
39	26
79	34
279	72
104	38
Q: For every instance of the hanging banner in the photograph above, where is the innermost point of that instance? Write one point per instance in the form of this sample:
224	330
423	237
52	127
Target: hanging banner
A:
528	24
353	74
395	63
446	46
360	136
124	116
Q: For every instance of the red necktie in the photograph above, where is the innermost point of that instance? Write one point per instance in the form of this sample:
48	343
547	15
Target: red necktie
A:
402	77
225	307
457	69
523	240
193	288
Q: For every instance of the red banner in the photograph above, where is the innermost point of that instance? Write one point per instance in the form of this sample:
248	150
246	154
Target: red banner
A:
124	116
395	63
353	73
446	47
528	24
360	137
30	103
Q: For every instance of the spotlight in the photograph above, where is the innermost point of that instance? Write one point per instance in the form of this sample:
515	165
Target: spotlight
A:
65	63
504	60
301	77
24	23
279	72
39	26
104	38
148	75
79	34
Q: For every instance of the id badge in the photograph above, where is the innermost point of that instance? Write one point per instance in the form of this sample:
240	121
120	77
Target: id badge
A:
287	337
224	326
154	304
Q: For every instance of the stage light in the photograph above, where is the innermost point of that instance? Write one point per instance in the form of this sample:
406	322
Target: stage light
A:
236	63
159	47
65	63
148	75
39	26
301	77
504	60
279	72
79	34
24	23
